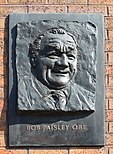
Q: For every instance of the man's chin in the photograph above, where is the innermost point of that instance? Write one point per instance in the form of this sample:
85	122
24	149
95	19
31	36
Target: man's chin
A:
58	84
57	81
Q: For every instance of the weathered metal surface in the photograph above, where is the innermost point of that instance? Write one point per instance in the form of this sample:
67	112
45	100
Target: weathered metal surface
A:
53	55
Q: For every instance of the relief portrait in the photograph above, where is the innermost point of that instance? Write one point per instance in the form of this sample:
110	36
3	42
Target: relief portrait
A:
56	66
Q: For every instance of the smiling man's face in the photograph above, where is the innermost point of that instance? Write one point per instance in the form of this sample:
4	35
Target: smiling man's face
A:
56	61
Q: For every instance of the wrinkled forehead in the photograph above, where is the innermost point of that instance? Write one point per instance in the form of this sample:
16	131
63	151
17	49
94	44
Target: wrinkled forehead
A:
59	39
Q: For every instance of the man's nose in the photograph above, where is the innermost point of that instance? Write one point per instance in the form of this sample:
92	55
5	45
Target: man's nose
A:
63	60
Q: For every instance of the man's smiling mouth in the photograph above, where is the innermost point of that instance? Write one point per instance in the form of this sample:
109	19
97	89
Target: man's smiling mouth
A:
60	72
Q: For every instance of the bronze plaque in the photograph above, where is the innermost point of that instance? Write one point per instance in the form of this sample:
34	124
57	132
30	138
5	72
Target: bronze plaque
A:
56	80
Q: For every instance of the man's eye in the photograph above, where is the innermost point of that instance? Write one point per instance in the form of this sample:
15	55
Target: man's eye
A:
71	57
52	56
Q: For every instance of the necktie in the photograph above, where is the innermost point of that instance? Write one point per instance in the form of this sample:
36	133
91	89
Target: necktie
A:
60	99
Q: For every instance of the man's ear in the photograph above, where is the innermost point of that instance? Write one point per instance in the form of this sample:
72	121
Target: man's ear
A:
75	65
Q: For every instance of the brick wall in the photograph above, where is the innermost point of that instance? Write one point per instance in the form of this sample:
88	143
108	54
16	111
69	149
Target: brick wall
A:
45	6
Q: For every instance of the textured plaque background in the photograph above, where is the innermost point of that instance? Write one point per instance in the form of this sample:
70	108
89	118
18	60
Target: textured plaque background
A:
84	128
86	35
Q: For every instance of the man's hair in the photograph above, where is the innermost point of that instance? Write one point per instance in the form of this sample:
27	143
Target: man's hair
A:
36	46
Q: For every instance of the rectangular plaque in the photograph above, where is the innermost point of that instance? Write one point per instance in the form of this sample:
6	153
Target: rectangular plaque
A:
56	80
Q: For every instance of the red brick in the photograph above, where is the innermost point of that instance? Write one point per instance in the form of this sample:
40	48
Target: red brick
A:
2	48
110	10
77	8
111	127
19	152
2	116
48	151
1	92
3	59
100	2
110	81
46	8
97	9
110	35
109	69
6	10
109	57
3	122
110	104
106	34
108	1
67	1
108	46
2	23
91	151
110	150
2	39
2	141
103	150
109	115
2	81
27	1
2	104
38	1
109	22
87	8
76	151
3	1
3	132
109	140
106	57
1	70
106	127
107	80
106	139
1	35
96	2
3	126
17	1
4	151
106	104
109	92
